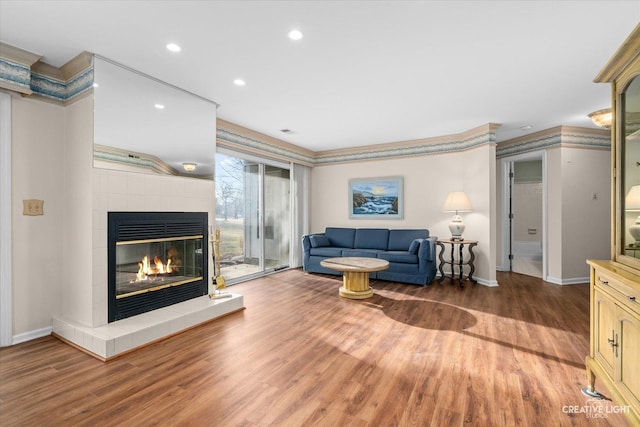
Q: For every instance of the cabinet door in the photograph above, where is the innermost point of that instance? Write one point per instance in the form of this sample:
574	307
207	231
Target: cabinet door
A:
629	351
604	330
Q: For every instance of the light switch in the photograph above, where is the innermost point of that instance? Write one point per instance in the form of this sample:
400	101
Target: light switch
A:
32	207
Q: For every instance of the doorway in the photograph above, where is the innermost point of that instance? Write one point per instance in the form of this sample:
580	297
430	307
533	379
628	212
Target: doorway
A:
525	213
253	215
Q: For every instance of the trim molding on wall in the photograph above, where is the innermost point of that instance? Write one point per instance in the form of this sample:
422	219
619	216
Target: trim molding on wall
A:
32	335
565	136
21	71
235	137
6	280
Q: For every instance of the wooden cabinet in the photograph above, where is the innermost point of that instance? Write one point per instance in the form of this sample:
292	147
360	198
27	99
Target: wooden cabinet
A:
614	357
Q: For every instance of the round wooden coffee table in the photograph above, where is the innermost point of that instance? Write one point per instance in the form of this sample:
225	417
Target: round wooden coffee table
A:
355	274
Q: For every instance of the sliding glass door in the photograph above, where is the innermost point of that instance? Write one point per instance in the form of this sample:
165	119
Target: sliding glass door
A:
253	215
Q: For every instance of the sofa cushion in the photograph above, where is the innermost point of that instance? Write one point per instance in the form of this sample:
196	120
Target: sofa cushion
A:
412	249
403	257
371	238
341	237
318	241
367	253
327	251
400	240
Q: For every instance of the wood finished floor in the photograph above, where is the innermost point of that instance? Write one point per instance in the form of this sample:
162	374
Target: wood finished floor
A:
300	355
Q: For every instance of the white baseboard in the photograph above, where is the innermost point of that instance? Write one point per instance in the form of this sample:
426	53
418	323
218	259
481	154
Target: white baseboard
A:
31	335
573	281
485	282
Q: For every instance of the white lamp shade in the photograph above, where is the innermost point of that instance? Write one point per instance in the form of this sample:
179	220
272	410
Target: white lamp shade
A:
457	201
632	199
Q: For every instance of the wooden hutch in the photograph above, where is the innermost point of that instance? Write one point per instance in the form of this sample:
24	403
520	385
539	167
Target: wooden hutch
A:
614	356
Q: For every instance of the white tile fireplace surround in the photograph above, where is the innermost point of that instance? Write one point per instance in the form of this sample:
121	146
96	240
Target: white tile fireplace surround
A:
86	326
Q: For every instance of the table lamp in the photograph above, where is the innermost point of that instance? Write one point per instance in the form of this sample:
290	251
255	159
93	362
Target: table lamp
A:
457	201
632	204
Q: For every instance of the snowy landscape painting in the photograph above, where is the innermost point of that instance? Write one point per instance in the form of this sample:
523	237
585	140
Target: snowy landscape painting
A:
376	198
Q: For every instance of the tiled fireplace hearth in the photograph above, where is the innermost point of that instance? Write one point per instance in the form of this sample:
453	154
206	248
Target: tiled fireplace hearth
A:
85	321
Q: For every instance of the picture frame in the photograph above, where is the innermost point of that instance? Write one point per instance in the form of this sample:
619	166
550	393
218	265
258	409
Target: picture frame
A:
376	198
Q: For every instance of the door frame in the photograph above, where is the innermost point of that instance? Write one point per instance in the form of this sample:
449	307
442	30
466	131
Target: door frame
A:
507	237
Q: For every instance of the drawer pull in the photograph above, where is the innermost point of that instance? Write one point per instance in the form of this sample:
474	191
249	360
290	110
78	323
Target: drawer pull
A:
604	282
632	299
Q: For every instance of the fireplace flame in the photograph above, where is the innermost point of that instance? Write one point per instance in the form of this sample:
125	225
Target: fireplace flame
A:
146	269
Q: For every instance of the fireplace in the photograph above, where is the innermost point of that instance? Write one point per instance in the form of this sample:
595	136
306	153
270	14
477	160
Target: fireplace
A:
155	259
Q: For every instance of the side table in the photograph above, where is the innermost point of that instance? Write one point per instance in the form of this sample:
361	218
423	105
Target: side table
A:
460	261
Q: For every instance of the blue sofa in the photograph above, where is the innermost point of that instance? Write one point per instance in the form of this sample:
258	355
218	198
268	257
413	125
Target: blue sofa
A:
411	253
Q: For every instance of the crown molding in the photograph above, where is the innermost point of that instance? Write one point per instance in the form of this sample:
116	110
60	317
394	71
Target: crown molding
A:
626	53
559	136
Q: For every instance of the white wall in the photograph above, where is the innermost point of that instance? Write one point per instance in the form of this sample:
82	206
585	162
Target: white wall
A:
37	173
427	181
578	225
77	164
59	259
586	222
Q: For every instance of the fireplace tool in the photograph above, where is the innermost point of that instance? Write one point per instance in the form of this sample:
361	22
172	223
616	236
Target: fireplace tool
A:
217	280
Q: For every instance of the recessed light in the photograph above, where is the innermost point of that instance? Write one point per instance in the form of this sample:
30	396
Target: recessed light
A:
96	85
295	34
527	127
173	47
159	106
239	82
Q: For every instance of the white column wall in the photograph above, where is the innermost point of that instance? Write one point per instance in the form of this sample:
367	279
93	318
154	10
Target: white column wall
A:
38	131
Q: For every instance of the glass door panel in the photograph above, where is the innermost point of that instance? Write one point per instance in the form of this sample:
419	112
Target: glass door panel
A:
253	215
277	225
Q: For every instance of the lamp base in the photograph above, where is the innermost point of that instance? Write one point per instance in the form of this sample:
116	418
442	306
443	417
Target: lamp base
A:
456	226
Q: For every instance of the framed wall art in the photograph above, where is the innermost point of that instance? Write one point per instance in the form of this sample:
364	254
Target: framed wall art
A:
376	198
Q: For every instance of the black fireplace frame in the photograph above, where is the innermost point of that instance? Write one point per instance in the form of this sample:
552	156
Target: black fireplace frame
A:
130	226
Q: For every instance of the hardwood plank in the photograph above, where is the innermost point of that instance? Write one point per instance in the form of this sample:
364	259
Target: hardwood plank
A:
301	355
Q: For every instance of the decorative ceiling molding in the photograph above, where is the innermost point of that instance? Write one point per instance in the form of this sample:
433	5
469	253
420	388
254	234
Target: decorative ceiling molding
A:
470	139
130	158
22	72
559	136
245	140
15	68
236	137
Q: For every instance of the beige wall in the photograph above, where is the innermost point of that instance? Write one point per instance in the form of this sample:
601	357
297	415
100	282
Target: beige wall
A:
37	173
59	259
586	222
427	180
578	226
77	303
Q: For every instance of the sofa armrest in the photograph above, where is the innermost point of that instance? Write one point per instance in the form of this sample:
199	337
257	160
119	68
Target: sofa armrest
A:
427	250
306	241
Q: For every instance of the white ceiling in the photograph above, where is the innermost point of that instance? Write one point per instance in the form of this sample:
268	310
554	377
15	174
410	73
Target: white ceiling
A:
366	72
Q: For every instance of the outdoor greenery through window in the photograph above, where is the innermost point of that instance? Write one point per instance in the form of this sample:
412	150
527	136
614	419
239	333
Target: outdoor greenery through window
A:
253	215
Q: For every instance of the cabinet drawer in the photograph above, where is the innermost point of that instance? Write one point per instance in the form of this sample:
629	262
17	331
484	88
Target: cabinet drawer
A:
625	294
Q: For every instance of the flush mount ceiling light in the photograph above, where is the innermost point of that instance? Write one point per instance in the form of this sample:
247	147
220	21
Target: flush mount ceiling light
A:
295	34
159	106
173	47
239	82
189	167
527	127
602	118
